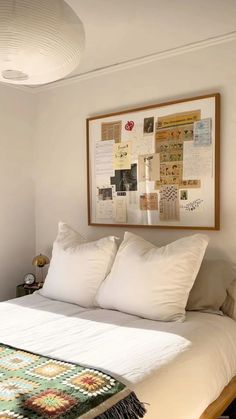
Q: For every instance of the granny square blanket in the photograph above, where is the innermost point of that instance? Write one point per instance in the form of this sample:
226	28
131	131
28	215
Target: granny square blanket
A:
35	386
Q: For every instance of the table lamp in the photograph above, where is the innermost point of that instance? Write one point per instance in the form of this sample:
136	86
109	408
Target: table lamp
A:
40	261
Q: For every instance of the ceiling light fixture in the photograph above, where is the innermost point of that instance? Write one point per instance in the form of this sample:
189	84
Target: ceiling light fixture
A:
40	41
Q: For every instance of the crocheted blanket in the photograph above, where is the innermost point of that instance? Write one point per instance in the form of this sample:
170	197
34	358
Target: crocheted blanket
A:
35	386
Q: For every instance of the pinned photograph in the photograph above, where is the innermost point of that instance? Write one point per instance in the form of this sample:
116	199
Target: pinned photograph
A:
125	180
169	203
122	156
148	202
104	194
202	132
184	195
111	131
180	118
149	167
194	183
148	125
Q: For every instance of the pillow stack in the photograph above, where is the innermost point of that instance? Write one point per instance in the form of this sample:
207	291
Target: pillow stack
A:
139	279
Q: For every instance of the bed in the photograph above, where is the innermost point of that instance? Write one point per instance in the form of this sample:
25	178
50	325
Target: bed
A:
177	369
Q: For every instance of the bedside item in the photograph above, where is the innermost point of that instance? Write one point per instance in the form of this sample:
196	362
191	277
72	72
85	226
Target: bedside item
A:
210	288
78	268
40	261
24	289
152	282
29	279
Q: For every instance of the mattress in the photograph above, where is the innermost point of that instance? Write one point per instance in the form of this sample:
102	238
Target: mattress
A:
178	369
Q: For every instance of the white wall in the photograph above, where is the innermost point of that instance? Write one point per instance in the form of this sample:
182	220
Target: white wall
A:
17	223
61	184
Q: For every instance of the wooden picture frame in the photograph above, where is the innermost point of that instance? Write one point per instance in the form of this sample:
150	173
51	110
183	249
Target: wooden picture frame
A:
156	166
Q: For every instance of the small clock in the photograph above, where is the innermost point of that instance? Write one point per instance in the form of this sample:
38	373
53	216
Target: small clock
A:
29	279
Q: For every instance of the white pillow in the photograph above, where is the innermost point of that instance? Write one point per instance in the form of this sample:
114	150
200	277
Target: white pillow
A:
77	268
152	282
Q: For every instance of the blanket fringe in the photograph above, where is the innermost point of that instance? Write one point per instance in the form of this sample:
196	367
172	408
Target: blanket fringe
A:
128	408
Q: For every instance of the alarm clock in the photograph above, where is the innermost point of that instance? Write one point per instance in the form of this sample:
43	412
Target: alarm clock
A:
29	279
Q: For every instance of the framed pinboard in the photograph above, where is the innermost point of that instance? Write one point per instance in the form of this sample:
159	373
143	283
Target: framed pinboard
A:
156	166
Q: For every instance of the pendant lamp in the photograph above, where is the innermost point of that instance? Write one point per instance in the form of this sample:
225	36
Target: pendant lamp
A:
40	41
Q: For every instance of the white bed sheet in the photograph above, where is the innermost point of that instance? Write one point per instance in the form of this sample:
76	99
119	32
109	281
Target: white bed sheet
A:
179	368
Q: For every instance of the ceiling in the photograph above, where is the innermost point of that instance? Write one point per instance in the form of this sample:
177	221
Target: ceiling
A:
122	30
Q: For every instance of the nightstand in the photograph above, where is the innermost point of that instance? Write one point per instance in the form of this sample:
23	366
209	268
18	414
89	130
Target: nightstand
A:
22	289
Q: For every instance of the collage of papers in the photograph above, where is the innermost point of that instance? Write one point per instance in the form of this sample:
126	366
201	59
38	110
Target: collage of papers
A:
154	167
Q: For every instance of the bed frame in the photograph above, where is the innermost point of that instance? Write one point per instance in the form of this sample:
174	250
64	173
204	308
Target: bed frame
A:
215	409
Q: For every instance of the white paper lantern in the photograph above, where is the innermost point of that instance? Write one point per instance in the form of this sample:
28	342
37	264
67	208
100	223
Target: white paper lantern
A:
40	41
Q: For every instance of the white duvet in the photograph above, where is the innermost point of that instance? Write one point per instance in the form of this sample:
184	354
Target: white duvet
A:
177	368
